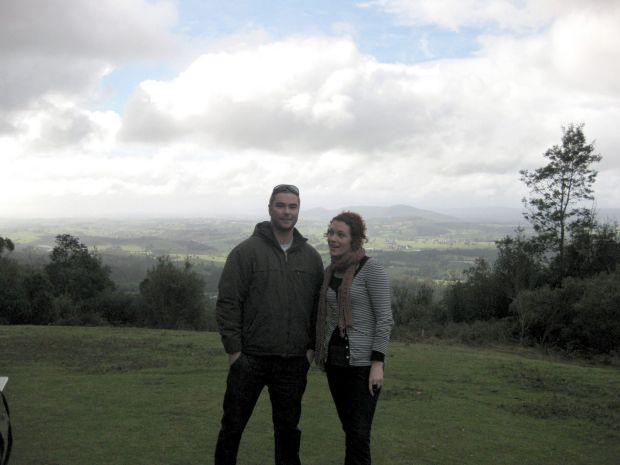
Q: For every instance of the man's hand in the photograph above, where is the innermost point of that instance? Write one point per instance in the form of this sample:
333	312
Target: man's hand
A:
232	358
310	355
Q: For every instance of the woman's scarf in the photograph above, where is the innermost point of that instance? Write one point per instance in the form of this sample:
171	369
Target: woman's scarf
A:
346	264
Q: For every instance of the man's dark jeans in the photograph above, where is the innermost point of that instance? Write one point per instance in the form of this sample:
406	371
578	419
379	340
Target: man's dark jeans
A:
286	380
356	409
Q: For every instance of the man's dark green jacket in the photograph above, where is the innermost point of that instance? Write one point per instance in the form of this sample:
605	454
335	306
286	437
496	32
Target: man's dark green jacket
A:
267	298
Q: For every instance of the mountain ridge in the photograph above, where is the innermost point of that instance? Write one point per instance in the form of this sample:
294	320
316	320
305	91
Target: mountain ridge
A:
485	214
378	212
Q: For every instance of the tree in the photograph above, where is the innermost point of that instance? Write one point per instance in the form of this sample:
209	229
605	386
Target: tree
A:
479	297
593	250
558	188
14	307
517	266
596	324
76	272
6	243
173	297
414	308
39	293
25	292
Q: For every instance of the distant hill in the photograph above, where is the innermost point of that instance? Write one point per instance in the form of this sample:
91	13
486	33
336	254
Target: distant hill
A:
487	214
374	212
479	215
507	215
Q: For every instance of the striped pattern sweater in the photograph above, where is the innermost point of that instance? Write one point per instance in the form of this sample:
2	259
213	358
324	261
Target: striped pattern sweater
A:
371	311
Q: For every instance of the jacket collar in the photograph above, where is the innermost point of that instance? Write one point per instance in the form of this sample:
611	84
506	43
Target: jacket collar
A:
265	230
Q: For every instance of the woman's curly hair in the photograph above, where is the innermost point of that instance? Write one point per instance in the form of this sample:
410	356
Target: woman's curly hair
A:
357	225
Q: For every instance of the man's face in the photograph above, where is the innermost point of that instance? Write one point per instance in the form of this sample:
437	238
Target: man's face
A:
284	211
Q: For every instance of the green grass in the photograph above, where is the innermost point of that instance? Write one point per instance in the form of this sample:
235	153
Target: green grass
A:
89	396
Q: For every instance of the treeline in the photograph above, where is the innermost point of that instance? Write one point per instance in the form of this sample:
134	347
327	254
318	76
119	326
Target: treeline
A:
558	288
75	288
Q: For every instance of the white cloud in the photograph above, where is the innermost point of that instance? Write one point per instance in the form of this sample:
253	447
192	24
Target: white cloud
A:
314	111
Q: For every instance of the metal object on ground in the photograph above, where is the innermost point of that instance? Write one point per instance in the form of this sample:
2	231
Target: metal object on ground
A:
6	435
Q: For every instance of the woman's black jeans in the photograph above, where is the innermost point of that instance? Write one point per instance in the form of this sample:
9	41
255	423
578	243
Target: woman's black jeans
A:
286	380
356	408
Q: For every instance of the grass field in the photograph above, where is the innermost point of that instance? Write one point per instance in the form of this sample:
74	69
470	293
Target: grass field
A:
89	396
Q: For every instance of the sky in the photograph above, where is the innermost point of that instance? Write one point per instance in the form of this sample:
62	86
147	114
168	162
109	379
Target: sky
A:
197	108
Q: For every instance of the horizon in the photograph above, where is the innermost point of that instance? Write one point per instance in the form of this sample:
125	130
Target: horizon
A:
474	214
157	109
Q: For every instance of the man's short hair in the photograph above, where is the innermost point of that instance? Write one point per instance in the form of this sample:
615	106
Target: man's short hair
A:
283	188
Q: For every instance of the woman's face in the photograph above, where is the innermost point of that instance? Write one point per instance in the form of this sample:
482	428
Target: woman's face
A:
338	238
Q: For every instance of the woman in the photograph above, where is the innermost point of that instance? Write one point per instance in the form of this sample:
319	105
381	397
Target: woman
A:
353	330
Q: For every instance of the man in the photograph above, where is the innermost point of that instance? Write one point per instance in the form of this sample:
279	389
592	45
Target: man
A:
266	313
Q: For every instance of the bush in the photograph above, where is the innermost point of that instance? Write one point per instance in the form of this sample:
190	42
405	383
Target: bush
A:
480	297
75	271
39	293
14	306
596	323
416	313
113	307
583	315
70	313
173	297
480	332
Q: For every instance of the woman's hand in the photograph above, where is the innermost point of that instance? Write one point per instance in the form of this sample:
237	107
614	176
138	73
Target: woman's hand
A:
375	380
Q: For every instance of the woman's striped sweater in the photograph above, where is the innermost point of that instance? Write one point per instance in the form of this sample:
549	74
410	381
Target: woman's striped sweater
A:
371	312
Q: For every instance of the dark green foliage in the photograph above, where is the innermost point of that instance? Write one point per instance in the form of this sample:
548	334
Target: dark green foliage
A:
76	272
119	309
596	320
14	308
25	293
75	288
545	313
415	310
479	297
109	307
173	297
39	293
581	315
593	250
518	265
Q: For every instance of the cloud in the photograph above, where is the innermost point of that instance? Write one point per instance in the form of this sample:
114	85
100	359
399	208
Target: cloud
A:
64	48
310	95
315	95
273	96
314	111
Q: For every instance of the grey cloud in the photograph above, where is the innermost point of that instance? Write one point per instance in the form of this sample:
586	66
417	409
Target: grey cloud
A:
63	127
27	78
111	29
143	122
63	48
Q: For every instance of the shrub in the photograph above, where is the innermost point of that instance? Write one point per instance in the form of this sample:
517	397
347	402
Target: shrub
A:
500	331
596	323
173	297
